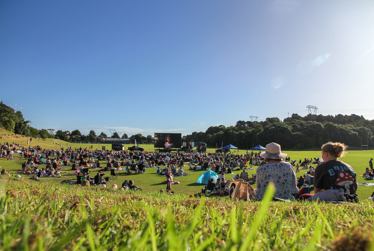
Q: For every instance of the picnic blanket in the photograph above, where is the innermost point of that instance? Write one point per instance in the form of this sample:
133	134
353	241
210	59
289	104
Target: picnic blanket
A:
366	184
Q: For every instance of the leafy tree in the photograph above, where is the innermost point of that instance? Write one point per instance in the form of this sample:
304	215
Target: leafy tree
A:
140	139
215	129
92	136
150	139
124	136
44	134
76	135
7	117
33	132
101	136
115	135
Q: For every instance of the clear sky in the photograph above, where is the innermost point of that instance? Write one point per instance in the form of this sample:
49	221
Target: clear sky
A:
182	66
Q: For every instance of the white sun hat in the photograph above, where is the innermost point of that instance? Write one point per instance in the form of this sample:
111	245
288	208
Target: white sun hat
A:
273	151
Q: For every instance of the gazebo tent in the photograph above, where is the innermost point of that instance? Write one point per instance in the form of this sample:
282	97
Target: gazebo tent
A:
259	147
229	147
203	179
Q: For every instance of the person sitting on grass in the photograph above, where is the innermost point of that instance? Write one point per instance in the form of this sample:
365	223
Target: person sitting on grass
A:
229	170
141	167
300	181
66	162
180	171
4	172
173	170
368	175
126	185
334	180
222	177
218	185
244	175
276	171
43	173
55	165
99	179
132	186
98	165
211	185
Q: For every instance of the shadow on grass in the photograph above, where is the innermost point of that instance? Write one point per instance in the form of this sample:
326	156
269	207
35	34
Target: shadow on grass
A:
195	185
157	184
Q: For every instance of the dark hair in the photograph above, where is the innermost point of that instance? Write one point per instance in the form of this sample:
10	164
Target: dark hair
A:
336	149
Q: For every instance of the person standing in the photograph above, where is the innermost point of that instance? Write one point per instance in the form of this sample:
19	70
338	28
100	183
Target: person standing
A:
168	183
371	164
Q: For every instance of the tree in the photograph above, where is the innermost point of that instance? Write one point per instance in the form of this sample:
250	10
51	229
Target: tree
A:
21	126
140	139
102	136
124	136
273	120
115	135
33	132
7	117
215	129
44	134
150	139
92	136
76	135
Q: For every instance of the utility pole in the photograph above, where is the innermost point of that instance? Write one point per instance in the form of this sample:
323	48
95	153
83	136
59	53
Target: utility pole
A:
253	118
111	132
312	109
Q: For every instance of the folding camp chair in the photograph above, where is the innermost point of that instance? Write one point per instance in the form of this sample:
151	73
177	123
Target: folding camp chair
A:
113	173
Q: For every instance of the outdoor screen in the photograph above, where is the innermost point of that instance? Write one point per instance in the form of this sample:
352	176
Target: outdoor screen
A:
168	140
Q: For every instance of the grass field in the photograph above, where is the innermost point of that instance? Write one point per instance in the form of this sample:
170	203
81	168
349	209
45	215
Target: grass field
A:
151	182
53	216
39	216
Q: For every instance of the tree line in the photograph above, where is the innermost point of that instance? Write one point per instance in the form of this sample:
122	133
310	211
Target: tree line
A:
295	132
13	121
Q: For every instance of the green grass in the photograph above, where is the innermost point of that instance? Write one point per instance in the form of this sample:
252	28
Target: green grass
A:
151	182
55	217
48	215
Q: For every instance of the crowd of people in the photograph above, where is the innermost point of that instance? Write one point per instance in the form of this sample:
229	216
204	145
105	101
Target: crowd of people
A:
331	178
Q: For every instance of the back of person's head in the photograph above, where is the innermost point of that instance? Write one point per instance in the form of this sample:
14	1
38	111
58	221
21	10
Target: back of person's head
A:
336	149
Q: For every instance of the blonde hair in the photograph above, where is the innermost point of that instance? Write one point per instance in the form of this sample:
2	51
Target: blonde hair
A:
336	149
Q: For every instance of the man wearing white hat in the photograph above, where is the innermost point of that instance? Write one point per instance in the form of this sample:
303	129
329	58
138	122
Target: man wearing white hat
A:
281	173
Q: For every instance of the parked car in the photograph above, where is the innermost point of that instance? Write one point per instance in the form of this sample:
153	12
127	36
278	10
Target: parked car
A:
220	150
136	148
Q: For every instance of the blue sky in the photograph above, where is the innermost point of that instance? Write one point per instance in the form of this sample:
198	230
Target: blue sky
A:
182	66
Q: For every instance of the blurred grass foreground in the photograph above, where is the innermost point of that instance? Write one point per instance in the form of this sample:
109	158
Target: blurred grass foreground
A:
41	216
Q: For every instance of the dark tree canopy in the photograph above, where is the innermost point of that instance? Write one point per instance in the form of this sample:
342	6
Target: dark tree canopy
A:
295	132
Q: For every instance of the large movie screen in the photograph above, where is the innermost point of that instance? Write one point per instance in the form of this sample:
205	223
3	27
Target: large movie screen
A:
168	140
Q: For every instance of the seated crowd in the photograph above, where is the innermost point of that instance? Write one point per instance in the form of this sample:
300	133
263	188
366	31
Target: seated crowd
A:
274	166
